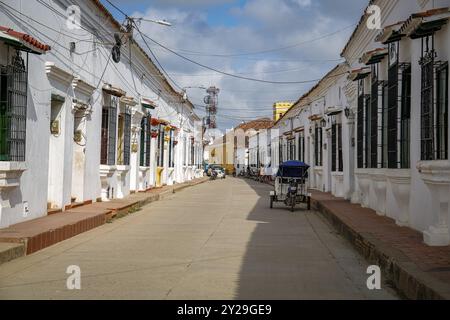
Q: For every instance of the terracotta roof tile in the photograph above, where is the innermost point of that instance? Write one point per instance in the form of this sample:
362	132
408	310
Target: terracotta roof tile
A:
26	39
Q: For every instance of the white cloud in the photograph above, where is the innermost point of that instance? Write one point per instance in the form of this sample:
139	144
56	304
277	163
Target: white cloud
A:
261	25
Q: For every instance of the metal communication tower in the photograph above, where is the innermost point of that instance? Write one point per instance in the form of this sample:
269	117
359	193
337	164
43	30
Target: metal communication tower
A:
211	101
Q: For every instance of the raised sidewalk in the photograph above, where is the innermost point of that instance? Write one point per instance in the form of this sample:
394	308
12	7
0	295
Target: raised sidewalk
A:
416	270
31	236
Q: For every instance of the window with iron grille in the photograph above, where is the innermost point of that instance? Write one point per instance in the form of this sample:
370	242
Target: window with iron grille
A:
127	137
193	152
392	115
336	147
280	150
145	142
291	149
434	104
372	124
405	118
333	147
161	137
301	146
384	126
318	146
171	149
427	102
13	109
442	112
360	126
108	131
339	148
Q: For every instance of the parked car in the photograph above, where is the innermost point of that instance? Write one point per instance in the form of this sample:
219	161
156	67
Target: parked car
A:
218	169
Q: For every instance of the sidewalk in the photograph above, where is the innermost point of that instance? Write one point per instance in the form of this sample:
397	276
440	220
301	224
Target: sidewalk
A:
415	269
34	235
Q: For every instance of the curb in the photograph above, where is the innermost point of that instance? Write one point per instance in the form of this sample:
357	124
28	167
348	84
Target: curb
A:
407	278
11	251
13	248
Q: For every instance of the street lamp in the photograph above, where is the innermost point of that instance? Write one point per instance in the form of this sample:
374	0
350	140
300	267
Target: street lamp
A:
161	22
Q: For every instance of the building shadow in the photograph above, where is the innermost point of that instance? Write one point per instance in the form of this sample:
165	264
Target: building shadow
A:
296	256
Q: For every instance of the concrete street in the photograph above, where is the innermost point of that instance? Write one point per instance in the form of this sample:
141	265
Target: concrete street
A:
217	240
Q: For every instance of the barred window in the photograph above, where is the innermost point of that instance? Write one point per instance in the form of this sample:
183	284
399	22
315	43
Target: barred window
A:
161	137
13	109
405	118
171	149
336	147
127	137
145	142
434	104
442	112
360	125
318	146
108	131
301	146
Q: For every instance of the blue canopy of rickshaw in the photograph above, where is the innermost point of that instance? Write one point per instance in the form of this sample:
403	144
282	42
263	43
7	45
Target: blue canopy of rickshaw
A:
293	169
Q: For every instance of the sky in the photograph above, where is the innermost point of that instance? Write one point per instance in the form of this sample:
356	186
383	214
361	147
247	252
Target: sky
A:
275	40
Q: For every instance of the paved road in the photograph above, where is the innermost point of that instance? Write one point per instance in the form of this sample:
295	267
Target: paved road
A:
217	240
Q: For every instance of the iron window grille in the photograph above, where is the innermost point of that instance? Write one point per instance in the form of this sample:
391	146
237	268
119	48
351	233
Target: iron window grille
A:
398	115
160	155
362	98
171	149
336	147
280	150
145	142
108	131
301	146
318	145
442	112
193	152
374	122
127	137
434	104
339	148
405	118
333	147
13	109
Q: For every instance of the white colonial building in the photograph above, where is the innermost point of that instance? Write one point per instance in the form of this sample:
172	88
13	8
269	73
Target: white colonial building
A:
375	129
80	123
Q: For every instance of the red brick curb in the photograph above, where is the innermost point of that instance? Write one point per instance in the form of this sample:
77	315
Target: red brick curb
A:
397	250
43	232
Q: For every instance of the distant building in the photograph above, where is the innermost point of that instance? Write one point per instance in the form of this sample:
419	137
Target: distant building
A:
280	108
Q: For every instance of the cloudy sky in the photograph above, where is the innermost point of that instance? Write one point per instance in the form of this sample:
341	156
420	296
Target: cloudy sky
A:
275	40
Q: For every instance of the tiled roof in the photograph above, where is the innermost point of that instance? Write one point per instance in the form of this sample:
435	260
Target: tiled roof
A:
258	124
26	40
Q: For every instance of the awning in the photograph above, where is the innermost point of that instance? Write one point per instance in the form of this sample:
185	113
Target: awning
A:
425	23
114	91
390	33
358	74
374	56
148	104
22	41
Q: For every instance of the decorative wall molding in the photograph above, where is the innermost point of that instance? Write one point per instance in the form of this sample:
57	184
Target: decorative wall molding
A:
58	74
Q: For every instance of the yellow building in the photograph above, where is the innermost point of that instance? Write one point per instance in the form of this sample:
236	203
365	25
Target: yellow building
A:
280	108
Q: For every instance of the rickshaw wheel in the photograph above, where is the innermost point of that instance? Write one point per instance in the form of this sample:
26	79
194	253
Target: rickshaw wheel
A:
309	203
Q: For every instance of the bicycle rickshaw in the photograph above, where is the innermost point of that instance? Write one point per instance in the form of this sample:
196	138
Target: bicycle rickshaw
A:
291	185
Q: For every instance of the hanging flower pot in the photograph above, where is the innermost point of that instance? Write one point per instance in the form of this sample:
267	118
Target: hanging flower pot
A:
154	122
154	134
175	142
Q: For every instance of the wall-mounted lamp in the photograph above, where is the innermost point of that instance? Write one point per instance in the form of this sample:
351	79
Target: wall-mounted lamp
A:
347	112
323	123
